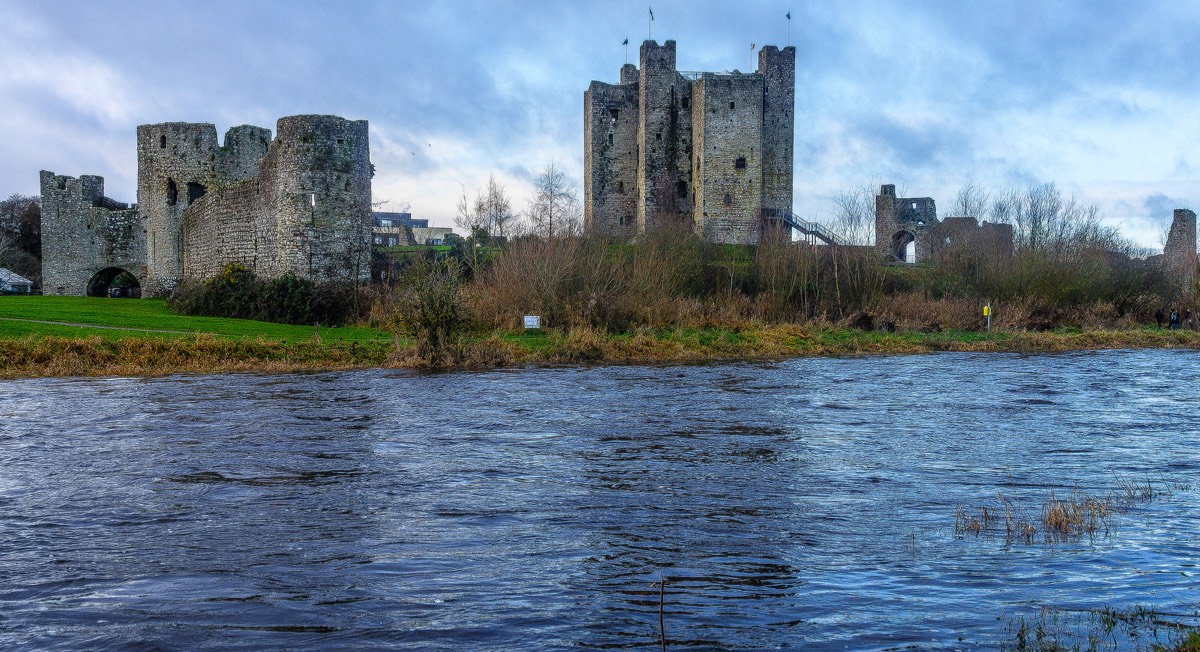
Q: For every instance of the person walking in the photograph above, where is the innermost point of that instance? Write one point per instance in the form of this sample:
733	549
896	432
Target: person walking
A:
1159	317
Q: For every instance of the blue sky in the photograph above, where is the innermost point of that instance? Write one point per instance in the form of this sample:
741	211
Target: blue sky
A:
1099	97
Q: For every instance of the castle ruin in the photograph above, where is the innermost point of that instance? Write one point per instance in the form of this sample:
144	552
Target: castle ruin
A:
299	203
1179	252
713	150
901	221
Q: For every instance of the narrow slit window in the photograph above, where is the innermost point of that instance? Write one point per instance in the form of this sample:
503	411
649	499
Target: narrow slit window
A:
172	192
728	199
685	103
731	106
162	142
610	139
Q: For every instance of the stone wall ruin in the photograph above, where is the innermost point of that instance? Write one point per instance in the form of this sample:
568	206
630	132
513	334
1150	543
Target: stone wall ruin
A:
299	203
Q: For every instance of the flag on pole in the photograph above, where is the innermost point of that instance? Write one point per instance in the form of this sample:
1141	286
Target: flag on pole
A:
789	15
626	42
752	46
651	12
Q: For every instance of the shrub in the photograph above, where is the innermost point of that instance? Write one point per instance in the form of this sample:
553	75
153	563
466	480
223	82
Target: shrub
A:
289	299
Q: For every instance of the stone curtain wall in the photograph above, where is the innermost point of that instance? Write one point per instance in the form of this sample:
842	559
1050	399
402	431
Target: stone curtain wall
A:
84	232
658	158
308	212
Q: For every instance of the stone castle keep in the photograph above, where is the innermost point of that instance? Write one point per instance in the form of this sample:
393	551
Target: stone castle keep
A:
299	203
713	150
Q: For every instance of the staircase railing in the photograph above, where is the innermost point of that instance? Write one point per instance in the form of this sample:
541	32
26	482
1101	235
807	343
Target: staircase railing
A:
805	227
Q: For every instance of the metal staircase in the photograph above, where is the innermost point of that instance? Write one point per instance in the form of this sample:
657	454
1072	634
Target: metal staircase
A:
809	231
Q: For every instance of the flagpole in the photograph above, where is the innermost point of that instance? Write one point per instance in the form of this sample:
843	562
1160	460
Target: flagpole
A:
650	24
789	19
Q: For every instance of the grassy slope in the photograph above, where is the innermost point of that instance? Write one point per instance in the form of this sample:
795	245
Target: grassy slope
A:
148	314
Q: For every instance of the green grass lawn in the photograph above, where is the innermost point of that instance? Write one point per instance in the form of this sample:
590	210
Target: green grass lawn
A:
145	315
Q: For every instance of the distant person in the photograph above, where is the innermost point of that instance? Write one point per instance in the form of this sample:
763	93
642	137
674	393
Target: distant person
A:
1174	320
1159	317
1187	318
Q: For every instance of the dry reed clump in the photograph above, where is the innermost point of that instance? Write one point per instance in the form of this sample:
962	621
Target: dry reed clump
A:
1059	520
1075	517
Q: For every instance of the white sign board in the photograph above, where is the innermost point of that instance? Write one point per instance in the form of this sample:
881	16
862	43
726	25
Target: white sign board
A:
533	322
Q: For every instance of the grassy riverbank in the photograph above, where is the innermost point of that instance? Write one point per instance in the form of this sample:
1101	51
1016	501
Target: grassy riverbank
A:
105	337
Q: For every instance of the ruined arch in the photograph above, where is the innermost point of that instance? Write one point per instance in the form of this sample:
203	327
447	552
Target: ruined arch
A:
901	241
104	282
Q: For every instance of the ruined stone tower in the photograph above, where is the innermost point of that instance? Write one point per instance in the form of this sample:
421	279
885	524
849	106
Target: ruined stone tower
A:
713	150
299	204
900	221
1179	252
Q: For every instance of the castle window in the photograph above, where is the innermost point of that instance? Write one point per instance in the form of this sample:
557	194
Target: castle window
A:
685	103
728	199
731	106
162	142
914	206
657	136
610	139
681	189
195	191
172	192
341	141
620	186
740	163
614	113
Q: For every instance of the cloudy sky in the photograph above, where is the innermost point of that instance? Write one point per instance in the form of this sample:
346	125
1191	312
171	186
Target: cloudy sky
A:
1100	97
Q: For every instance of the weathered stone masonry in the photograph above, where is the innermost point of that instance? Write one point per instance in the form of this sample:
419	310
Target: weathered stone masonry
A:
710	149
903	220
297	204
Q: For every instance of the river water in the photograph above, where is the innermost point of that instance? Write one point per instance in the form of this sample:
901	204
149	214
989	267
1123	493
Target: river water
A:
805	504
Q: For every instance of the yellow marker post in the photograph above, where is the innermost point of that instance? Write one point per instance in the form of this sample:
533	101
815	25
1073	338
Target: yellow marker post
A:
987	312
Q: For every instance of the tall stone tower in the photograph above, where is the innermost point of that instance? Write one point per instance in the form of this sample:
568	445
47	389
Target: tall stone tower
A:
712	150
1179	252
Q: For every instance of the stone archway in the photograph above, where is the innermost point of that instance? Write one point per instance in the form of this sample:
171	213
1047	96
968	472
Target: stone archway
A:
901	241
114	282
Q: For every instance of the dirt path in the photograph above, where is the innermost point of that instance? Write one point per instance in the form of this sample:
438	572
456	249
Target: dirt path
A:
111	328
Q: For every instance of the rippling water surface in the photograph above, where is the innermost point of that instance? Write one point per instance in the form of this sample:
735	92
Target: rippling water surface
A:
803	504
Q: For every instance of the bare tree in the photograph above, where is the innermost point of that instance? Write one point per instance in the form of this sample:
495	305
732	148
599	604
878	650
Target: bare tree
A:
497	208
854	214
1043	220
555	206
972	201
